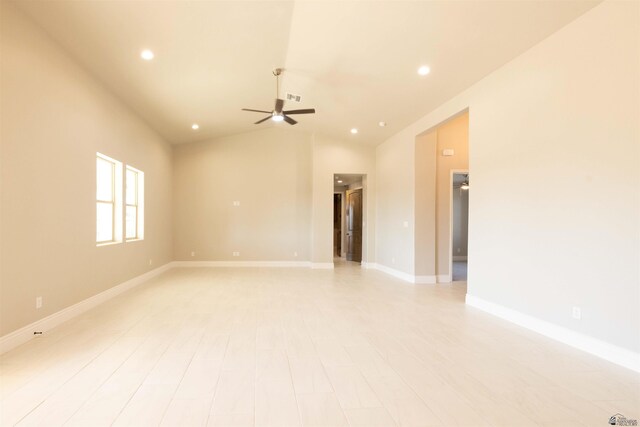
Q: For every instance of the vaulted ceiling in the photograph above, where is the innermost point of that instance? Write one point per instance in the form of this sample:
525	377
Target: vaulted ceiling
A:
354	61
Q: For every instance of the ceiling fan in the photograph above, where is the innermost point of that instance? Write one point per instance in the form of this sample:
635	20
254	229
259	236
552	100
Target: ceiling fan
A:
278	114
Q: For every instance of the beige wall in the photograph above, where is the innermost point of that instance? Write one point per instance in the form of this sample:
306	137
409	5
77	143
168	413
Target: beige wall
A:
557	129
269	172
425	195
395	173
54	118
331	157
283	180
454	134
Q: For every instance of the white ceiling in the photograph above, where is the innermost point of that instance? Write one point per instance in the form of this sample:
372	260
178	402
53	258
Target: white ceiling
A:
354	61
347	179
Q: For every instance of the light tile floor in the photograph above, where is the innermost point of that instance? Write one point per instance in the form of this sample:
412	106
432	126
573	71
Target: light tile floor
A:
235	347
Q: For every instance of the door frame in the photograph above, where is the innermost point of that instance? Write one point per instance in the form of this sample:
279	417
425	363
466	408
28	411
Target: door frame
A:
451	174
342	221
365	215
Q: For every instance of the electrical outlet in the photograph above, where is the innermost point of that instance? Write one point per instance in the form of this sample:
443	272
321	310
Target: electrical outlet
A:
193	253
577	313
295	254
38	302
236	253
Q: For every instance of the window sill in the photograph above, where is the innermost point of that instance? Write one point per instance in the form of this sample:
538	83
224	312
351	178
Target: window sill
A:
107	244
134	240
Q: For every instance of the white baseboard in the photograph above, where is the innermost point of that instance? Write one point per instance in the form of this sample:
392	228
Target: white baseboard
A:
596	347
395	273
444	278
418	280
25	333
322	265
425	280
243	264
460	258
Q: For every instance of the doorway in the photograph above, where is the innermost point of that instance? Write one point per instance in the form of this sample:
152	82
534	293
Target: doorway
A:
337	225
459	225
348	196
354	225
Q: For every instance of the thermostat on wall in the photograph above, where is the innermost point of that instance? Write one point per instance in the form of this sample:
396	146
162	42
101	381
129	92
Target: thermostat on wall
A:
447	152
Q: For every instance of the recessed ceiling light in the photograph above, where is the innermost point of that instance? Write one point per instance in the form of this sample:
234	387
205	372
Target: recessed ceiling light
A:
147	55
195	126
339	181
354	131
424	70
382	124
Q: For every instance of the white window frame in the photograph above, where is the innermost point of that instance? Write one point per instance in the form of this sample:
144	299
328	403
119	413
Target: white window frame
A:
115	202
138	204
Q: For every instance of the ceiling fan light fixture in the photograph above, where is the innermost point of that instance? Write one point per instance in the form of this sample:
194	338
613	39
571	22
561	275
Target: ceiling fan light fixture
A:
277	117
465	184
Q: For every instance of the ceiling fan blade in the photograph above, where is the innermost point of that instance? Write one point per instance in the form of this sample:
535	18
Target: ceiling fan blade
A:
256	111
279	105
304	111
289	120
263	120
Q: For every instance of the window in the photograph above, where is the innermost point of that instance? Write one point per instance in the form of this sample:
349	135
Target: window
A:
134	210
108	200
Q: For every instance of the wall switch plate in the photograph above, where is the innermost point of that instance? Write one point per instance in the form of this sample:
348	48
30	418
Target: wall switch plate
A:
295	254
393	260
448	152
405	224
236	203
577	313
236	253
193	253
150	261
38	302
